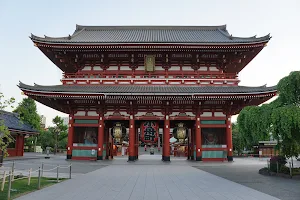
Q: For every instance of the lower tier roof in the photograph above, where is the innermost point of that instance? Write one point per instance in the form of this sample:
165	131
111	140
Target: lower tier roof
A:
13	122
148	89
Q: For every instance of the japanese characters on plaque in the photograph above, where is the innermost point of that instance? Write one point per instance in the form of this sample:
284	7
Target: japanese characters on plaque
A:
149	131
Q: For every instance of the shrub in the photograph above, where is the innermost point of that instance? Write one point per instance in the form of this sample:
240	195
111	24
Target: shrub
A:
273	163
284	170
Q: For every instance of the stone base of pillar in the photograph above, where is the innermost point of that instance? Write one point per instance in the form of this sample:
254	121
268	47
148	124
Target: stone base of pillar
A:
69	156
131	158
229	158
198	158
99	157
136	157
166	158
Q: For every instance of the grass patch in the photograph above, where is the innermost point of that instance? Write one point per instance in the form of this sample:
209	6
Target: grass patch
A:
21	187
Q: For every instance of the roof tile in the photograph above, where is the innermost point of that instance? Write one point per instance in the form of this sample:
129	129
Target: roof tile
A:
151	34
121	89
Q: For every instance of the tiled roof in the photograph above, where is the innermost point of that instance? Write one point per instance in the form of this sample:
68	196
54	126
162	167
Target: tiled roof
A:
12	121
151	34
138	89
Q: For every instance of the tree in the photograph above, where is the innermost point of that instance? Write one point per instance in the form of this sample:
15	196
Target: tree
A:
28	113
55	137
237	139
286	129
289	89
280	117
46	139
5	138
286	116
60	132
254	124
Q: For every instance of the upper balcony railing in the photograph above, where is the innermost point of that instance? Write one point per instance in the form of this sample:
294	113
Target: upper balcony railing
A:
147	76
150	79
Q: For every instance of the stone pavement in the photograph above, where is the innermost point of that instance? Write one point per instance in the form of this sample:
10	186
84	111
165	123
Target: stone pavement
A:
134	181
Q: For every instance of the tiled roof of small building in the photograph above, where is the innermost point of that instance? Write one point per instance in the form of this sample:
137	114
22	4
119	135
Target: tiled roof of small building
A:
13	122
151	34
134	89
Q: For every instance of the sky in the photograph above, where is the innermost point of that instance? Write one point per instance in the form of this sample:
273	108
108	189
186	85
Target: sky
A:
21	61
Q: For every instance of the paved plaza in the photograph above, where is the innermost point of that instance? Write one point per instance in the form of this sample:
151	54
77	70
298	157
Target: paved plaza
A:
139	180
150	178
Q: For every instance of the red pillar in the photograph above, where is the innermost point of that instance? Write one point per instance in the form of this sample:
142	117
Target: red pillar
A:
198	140
192	143
100	138
131	156
166	141
136	143
70	137
229	138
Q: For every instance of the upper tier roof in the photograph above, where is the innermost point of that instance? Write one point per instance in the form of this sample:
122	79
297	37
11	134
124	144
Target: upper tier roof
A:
13	122
150	34
147	90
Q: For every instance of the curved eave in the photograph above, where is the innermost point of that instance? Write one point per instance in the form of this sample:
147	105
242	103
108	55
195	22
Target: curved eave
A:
23	131
62	41
271	91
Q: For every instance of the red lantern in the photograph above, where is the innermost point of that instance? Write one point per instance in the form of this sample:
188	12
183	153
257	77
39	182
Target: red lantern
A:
149	131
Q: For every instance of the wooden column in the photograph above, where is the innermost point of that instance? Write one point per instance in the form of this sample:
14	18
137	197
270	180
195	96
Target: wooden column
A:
136	143
100	138
106	138
189	144
229	138
131	156
198	139
70	137
192	143
166	140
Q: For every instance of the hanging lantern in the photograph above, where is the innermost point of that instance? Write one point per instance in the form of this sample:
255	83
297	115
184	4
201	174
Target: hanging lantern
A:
149	131
118	132
180	132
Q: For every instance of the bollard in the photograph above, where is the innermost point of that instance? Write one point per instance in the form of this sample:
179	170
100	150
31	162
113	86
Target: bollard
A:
42	169
57	173
70	175
9	185
29	176
3	181
12	170
39	179
277	166
268	163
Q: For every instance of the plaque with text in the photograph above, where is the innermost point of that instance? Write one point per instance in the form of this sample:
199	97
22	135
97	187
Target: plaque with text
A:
149	63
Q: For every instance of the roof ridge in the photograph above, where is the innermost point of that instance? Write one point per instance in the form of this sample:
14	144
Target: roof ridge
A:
149	27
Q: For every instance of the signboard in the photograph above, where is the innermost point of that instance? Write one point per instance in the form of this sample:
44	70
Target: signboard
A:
149	63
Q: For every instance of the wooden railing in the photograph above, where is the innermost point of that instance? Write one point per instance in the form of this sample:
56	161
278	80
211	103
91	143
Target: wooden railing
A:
147	76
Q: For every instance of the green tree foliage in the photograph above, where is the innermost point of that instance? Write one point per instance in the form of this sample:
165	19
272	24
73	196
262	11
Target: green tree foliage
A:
286	116
62	131
286	129
281	118
289	89
28	114
48	138
254	124
237	139
5	139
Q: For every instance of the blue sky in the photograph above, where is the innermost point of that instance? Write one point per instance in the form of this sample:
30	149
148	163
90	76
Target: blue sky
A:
21	61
